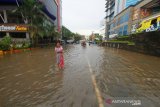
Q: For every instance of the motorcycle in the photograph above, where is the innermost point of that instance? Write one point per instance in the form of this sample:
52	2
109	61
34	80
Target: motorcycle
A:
83	44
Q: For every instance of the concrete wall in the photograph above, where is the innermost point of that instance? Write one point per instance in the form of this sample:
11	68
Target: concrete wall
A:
144	43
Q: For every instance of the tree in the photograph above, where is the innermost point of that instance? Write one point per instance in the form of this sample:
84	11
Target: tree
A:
77	37
30	10
5	43
66	33
99	37
32	14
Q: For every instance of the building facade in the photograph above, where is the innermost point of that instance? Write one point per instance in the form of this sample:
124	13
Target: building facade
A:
121	24
110	12
10	22
102	28
120	5
113	8
110	9
141	17
14	25
146	16
55	8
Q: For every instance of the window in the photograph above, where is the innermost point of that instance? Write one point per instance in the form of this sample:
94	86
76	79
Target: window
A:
125	30
112	16
124	18
112	26
120	20
120	31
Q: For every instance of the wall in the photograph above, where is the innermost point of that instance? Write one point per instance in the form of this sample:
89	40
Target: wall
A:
146	43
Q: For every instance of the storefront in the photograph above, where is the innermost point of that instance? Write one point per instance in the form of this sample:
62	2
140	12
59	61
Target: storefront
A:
14	30
146	16
13	24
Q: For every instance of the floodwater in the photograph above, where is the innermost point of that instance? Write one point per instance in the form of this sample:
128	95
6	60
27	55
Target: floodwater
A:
31	79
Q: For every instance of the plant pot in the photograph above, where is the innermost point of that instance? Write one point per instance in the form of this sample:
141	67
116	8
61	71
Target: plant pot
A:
27	49
32	48
1	52
17	50
7	52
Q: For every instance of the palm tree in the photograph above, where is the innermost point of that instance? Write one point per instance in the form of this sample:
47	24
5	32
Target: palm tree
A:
31	11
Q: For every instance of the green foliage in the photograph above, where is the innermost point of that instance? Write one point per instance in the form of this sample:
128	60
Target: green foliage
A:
122	36
77	37
131	43
22	45
98	41
99	37
67	33
30	10
5	43
125	42
122	39
39	25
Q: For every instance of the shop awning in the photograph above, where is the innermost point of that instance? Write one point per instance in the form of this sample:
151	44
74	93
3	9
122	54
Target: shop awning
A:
49	14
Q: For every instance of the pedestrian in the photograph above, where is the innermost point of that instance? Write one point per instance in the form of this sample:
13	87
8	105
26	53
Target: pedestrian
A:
59	55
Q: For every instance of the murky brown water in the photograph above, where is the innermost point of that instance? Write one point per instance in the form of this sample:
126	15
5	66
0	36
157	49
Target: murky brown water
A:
31	79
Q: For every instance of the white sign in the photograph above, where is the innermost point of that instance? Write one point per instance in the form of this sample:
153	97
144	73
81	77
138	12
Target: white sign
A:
7	28
134	28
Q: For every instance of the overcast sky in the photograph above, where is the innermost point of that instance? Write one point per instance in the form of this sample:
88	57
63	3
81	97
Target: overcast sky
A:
83	16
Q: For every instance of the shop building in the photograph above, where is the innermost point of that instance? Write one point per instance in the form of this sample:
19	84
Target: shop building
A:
120	5
13	24
55	8
113	9
146	16
110	10
121	24
141	17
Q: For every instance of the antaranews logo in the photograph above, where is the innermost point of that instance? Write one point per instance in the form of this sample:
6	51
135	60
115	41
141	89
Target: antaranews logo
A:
130	102
109	101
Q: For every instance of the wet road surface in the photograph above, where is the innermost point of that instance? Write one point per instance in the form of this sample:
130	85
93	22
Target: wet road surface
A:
31	79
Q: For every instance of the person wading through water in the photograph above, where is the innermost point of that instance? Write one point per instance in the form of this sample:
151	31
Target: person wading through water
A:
59	55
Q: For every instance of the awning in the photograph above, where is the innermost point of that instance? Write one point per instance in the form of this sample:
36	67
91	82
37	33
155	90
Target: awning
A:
49	14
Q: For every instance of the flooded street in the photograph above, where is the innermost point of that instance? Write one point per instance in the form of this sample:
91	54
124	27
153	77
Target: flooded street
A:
31	79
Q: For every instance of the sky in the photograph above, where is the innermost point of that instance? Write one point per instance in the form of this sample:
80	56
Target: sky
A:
83	16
